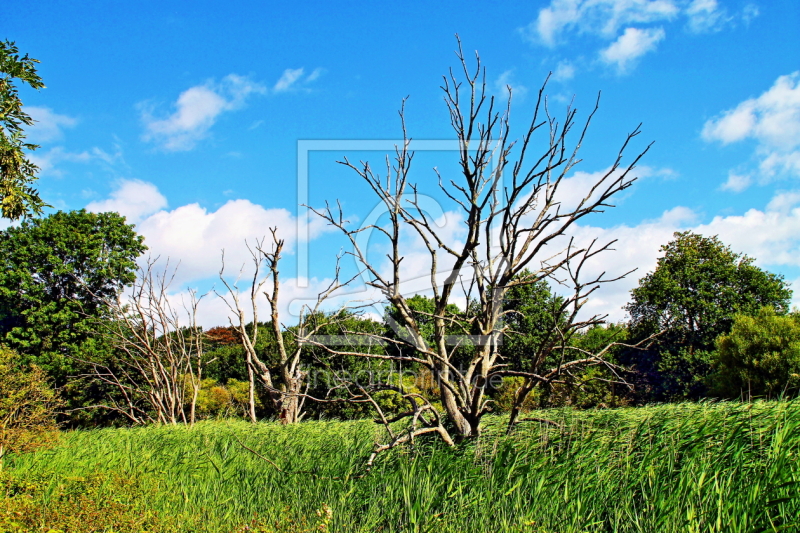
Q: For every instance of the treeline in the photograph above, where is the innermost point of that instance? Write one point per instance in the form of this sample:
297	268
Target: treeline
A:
706	323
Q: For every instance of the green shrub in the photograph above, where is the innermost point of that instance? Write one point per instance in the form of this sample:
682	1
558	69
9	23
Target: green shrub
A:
27	406
760	356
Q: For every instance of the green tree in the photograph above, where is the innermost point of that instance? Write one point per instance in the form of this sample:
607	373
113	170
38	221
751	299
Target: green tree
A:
423	309
55	274
693	295
533	317
539	336
759	357
18	199
332	377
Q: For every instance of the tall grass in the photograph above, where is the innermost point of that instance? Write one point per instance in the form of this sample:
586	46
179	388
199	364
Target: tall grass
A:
684	468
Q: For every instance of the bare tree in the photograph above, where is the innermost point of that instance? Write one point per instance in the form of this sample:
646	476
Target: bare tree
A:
156	365
288	394
516	231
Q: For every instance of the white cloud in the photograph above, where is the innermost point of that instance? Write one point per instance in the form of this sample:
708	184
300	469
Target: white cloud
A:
772	120
737	182
784	201
292	79
315	74
704	16
599	17
574	188
196	237
196	111
771	236
288	79
556	23
733	126
193	235
188	242
48	125
749	12
134	199
630	46
48	161
506	80
564	71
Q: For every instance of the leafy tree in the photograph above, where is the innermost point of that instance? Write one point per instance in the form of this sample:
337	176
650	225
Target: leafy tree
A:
18	198
759	357
537	327
533	316
698	287
55	273
332	377
423	309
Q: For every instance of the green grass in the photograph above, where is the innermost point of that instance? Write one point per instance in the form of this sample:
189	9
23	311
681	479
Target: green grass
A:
678	468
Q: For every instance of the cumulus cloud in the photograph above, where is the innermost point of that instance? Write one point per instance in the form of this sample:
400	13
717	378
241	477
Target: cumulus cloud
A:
572	189
770	235
630	46
772	120
196	111
134	199
196	236
48	125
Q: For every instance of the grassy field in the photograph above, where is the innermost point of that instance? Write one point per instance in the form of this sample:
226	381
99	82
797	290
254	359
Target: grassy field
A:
676	468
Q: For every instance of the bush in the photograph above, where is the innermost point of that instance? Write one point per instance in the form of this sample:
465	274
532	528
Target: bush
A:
760	356
27	406
215	400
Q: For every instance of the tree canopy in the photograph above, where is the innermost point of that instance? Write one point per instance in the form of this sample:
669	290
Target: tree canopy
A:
760	357
18	198
693	295
55	274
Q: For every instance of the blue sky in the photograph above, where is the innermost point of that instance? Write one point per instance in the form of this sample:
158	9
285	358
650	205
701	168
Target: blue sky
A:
186	117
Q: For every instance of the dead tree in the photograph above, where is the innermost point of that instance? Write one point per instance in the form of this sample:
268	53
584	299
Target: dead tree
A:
515	231
157	359
288	394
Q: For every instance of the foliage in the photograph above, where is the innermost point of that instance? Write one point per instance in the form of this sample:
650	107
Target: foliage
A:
216	400
18	199
423	309
591	386
55	274
594	385
335	378
725	467
759	357
697	288
532	311
27	407
91	503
